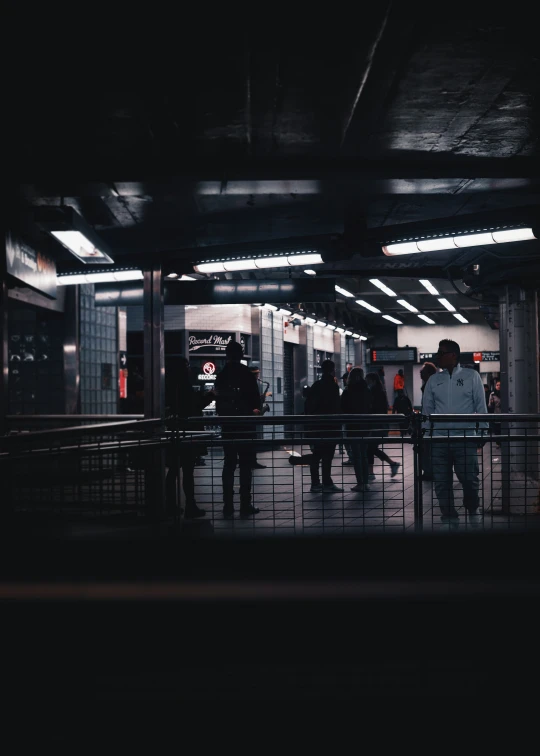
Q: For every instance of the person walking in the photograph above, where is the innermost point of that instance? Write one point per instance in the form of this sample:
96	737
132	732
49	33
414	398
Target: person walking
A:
379	406
322	399
356	400
185	403
237	395
403	406
263	393
426	372
455	390
494	406
345	375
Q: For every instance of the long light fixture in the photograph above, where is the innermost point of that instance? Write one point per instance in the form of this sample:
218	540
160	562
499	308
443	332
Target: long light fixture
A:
363	338
392	320
407	306
460	317
356	335
428	320
344	292
321	323
282	311
383	287
331	327
429	286
258	263
311	321
72	231
340	330
311	272
362	303
108	277
453	240
348	333
447	304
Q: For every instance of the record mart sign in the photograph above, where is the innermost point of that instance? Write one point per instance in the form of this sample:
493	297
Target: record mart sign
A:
208	342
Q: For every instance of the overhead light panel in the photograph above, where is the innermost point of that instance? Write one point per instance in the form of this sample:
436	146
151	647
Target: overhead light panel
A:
428	320
312	321
447	304
362	303
311	272
271	307
344	292
348	333
429	286
356	335
363	338
392	320
460	317
109	276
331	327
258	263
281	311
340	330
382	287
474	238
72	231
407	305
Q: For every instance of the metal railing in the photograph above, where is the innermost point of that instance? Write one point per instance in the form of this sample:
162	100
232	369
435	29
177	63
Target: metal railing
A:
405	474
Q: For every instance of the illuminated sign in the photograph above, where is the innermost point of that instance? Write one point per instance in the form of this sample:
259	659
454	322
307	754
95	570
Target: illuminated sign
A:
209	343
393	356
208	372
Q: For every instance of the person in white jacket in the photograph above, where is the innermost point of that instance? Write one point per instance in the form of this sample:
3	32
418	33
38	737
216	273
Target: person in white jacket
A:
455	390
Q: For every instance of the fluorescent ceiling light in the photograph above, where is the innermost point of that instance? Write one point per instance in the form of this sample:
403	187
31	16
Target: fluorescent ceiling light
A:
272	307
108	277
382	287
187	278
429	286
310	272
81	246
362	303
460	317
312	321
172	275
348	333
392	320
363	338
343	291
258	263
281	311
356	335
340	330
331	327
428	320
447	304
443	241
407	305
299	316
321	323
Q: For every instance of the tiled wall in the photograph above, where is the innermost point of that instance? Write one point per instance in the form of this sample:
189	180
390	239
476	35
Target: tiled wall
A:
99	345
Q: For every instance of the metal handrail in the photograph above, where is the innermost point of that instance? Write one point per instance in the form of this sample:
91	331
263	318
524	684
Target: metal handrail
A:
290	419
499	418
84	430
48	418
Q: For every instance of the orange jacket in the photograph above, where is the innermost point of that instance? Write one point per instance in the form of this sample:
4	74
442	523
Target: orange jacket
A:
399	382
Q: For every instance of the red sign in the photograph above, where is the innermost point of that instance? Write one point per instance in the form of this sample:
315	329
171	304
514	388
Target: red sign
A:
477	356
122	382
209	368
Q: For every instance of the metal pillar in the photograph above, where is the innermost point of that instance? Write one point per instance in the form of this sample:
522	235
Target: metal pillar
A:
72	376
154	381
520	392
4	367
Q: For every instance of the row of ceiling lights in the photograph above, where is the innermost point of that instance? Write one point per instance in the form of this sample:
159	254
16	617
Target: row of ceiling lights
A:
313	321
403	302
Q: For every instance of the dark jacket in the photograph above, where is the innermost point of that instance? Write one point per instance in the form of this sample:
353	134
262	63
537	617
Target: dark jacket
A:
494	404
356	400
323	399
237	394
379	406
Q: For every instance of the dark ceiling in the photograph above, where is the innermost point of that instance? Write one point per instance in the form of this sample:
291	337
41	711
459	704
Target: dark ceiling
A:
171	137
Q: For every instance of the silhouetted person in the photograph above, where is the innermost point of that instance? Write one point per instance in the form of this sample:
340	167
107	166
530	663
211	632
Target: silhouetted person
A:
322	399
345	375
185	403
379	406
402	406
237	395
356	400
426	372
455	390
263	393
494	406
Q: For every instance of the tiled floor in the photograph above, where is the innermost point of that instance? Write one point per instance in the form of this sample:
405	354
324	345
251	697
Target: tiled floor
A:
282	493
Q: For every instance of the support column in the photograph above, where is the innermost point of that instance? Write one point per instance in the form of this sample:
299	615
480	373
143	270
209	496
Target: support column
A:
520	393
4	367
72	346
154	381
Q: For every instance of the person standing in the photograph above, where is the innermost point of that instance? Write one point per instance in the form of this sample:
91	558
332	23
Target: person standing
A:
263	393
399	383
426	372
494	406
379	406
345	375
322	399
455	390
356	400
185	403
237	395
